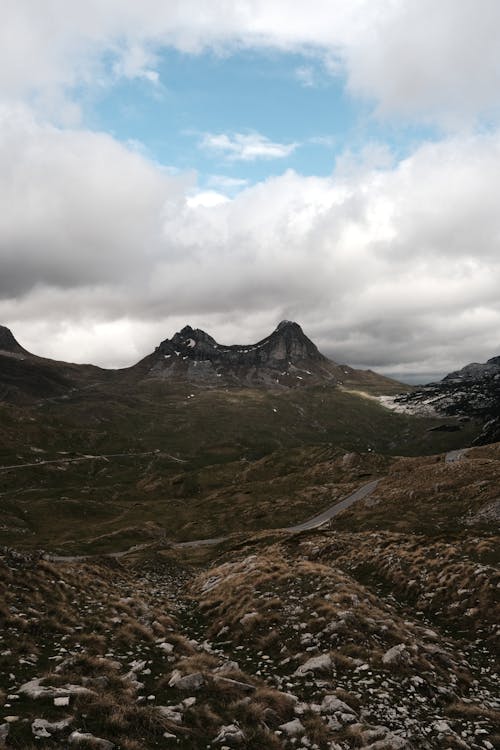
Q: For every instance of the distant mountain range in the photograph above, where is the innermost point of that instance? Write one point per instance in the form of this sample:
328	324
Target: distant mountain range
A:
286	358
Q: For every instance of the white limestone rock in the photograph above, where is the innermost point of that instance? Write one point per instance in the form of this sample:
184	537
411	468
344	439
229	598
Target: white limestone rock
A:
321	663
293	728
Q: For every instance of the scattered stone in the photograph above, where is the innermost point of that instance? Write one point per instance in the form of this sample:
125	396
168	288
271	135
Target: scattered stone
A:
396	655
249	617
230	734
171	713
293	728
332	705
44	728
166	647
76	738
62	701
192	681
320	663
228	666
33	689
442	727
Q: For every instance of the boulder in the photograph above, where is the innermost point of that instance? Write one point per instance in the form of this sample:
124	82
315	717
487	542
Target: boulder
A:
293	728
192	681
321	663
331	705
396	656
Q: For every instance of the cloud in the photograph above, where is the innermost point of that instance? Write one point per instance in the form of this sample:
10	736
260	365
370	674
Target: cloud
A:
415	59
227	183
206	198
306	76
246	146
384	264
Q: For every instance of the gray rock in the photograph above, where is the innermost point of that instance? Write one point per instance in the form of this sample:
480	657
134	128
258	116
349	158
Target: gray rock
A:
293	728
321	663
228	666
331	705
171	713
44	728
230	734
188	682
390	742
33	689
442	726
396	655
76	738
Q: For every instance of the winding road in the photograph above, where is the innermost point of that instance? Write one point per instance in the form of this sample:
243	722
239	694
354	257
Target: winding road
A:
311	523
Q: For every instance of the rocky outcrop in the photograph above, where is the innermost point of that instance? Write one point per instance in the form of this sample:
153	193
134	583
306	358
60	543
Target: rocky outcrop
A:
470	393
287	343
287	357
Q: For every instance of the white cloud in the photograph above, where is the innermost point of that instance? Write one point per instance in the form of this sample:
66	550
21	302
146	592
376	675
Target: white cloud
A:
418	58
383	264
306	75
227	183
246	146
206	198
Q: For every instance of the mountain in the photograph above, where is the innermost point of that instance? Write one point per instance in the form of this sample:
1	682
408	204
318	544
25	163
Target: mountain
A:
25	377
470	393
8	344
287	358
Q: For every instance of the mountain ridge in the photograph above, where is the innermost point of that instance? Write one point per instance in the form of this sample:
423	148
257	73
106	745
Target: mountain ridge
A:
473	392
284	358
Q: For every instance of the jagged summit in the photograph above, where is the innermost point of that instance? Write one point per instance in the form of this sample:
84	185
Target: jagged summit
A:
287	357
285	354
286	344
8	342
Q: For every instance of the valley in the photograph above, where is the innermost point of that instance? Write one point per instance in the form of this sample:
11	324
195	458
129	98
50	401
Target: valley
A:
348	597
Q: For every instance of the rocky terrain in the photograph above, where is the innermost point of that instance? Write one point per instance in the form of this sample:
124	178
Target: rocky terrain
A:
470	393
353	635
377	628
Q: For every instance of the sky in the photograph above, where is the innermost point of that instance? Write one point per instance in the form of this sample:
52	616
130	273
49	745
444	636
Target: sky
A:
231	164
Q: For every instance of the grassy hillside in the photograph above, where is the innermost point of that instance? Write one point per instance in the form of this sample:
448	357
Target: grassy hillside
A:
105	467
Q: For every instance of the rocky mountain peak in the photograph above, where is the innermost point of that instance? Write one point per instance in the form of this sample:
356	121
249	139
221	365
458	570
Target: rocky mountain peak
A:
287	343
194	354
285	324
8	343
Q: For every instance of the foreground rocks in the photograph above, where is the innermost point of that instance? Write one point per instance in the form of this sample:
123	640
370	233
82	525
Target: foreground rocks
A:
283	646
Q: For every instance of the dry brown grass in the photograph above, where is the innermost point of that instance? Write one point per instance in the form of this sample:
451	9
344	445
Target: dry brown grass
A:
474	711
442	579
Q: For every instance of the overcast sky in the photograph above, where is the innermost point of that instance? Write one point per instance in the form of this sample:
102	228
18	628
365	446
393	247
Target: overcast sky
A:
230	164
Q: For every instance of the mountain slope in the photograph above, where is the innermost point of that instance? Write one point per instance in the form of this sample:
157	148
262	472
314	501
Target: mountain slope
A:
470	393
8	344
287	357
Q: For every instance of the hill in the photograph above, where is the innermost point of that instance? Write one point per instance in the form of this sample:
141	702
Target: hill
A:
472	392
